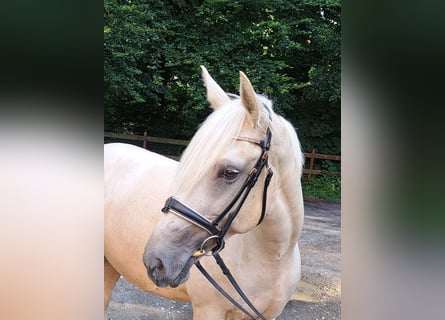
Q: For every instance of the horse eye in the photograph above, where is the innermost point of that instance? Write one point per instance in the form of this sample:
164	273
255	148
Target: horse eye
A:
230	174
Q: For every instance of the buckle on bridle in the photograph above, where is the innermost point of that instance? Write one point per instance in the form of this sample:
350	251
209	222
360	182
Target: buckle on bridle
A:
202	252
265	155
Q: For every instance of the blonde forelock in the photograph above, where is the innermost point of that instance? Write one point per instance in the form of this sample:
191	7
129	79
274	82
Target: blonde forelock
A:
212	138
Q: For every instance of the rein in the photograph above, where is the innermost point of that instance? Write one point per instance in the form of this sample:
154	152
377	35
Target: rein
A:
218	232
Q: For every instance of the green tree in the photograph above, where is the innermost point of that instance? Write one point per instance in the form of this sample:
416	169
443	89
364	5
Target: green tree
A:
289	49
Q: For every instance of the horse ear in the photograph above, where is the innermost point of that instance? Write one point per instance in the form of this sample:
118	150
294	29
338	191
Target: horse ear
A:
215	95
248	98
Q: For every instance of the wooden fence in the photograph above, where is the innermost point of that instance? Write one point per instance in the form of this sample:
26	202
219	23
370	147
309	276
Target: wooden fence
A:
314	155
146	138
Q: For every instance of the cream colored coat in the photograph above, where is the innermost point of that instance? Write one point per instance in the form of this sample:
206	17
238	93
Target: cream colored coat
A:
265	260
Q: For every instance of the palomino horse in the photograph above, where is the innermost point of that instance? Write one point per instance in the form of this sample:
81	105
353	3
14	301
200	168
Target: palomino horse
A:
239	144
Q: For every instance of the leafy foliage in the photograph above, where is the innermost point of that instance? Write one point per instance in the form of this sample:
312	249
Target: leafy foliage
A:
290	51
322	187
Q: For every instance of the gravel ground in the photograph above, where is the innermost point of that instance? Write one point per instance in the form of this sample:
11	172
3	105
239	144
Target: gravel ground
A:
318	296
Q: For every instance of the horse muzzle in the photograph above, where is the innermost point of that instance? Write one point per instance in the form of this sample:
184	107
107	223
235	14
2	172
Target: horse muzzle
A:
166	273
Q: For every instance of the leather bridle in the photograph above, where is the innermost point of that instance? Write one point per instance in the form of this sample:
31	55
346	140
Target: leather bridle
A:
217	231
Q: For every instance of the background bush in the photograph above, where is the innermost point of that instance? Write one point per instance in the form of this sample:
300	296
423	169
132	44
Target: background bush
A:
290	50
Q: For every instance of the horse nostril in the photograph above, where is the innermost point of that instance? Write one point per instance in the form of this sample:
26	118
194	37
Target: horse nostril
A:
156	268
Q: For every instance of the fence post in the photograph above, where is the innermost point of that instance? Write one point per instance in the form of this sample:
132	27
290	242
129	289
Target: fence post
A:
311	164
144	145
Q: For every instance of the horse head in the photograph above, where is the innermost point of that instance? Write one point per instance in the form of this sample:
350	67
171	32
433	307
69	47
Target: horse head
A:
215	193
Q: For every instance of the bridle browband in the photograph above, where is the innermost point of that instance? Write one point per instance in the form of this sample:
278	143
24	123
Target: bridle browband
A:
217	231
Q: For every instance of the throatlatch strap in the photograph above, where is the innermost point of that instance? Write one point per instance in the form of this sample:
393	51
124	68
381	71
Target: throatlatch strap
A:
266	185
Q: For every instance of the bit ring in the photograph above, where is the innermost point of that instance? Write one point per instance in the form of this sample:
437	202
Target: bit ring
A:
202	252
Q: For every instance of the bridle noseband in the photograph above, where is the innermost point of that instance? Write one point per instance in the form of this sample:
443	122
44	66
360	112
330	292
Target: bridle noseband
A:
217	231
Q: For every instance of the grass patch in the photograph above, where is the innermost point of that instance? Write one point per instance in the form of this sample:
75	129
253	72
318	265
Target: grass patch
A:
322	187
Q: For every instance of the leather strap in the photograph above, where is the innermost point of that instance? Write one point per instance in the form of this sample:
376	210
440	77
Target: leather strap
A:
185	212
232	280
266	185
221	290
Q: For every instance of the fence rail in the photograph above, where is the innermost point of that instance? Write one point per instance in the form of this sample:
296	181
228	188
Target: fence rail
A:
314	155
146	138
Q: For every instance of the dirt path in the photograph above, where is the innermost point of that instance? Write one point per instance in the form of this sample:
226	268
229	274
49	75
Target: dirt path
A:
318	296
